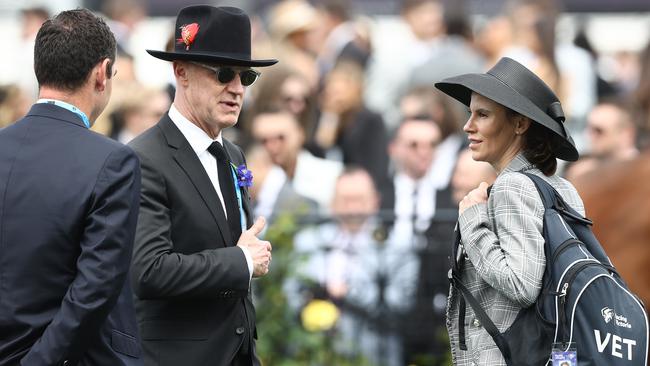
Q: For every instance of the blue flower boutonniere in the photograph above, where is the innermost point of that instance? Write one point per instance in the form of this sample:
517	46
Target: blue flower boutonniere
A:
244	175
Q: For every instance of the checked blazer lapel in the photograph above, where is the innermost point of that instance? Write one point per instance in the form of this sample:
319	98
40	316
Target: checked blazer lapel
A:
190	164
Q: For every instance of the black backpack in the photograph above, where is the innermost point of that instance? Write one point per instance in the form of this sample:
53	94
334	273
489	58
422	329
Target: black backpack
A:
584	303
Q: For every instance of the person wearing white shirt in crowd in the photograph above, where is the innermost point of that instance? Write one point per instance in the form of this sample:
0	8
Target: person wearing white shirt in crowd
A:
412	196
370	277
282	136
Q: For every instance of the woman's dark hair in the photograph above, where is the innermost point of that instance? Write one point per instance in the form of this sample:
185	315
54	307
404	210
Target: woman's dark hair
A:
538	145
69	46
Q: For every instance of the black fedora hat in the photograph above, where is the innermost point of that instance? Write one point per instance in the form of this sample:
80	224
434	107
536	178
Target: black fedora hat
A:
213	34
512	85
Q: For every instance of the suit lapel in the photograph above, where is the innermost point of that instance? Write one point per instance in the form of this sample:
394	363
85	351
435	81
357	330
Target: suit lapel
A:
191	165
237	158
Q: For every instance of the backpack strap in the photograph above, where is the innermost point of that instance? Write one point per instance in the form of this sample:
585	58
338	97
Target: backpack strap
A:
480	313
552	199
546	192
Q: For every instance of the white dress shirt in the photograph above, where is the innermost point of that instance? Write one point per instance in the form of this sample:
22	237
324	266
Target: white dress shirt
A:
315	178
415	204
442	167
200	141
269	191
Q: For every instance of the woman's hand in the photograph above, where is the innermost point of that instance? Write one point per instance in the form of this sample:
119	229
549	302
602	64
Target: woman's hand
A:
475	196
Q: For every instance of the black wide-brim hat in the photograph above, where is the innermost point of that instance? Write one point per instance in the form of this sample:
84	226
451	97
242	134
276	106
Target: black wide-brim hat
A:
512	85
220	35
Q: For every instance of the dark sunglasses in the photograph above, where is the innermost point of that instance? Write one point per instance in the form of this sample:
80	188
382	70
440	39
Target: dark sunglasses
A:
226	74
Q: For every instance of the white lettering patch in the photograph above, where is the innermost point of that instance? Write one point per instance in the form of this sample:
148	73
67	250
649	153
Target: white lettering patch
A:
617	349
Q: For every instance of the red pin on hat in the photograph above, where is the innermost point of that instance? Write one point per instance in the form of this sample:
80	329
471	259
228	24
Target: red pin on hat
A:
188	33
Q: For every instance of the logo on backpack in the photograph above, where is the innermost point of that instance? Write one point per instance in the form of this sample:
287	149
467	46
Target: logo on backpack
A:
619	320
607	313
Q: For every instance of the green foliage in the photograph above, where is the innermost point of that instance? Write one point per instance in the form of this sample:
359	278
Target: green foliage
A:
282	340
429	359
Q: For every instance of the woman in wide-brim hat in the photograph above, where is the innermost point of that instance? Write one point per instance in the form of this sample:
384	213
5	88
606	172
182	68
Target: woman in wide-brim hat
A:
516	124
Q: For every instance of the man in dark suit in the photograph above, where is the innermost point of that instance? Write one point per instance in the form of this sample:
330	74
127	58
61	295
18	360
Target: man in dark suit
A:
68	211
193	257
417	209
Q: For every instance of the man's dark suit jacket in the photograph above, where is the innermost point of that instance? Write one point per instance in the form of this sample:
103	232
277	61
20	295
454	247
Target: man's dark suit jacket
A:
68	210
191	281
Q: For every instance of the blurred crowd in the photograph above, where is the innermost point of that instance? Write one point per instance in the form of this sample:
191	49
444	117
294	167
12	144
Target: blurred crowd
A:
348	135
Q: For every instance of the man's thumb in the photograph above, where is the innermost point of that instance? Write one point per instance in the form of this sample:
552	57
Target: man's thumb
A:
258	226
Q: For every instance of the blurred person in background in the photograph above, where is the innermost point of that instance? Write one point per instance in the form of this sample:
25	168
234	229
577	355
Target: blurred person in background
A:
140	109
68	210
126	62
468	174
352	263
14	103
347	130
574	170
408	42
272	194
124	18
411	196
423	100
604	89
283	88
280	133
292	24
433	284
409	205
493	36
32	19
533	39
19	68
122	86
453	53
197	248
342	37
611	132
526	32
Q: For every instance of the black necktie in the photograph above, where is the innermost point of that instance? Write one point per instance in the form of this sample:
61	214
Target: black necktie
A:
227	189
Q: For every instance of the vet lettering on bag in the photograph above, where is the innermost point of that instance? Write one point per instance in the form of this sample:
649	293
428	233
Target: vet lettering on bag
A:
616	344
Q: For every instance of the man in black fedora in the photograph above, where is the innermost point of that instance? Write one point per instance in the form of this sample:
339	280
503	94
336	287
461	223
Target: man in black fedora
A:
196	246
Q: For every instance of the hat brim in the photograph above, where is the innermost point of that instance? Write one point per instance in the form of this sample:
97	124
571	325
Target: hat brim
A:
213	58
461	88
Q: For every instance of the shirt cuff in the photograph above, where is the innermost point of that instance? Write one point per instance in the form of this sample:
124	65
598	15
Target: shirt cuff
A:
249	262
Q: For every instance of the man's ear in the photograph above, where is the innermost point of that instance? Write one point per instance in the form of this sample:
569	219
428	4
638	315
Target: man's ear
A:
180	72
101	73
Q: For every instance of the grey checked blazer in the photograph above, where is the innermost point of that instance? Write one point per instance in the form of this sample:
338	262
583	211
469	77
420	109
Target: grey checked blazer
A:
504	257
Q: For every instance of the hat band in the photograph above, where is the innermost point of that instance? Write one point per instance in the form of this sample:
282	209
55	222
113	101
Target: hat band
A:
555	111
230	55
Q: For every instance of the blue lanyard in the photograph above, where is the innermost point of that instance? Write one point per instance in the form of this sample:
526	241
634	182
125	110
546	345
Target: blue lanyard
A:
69	107
242	216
